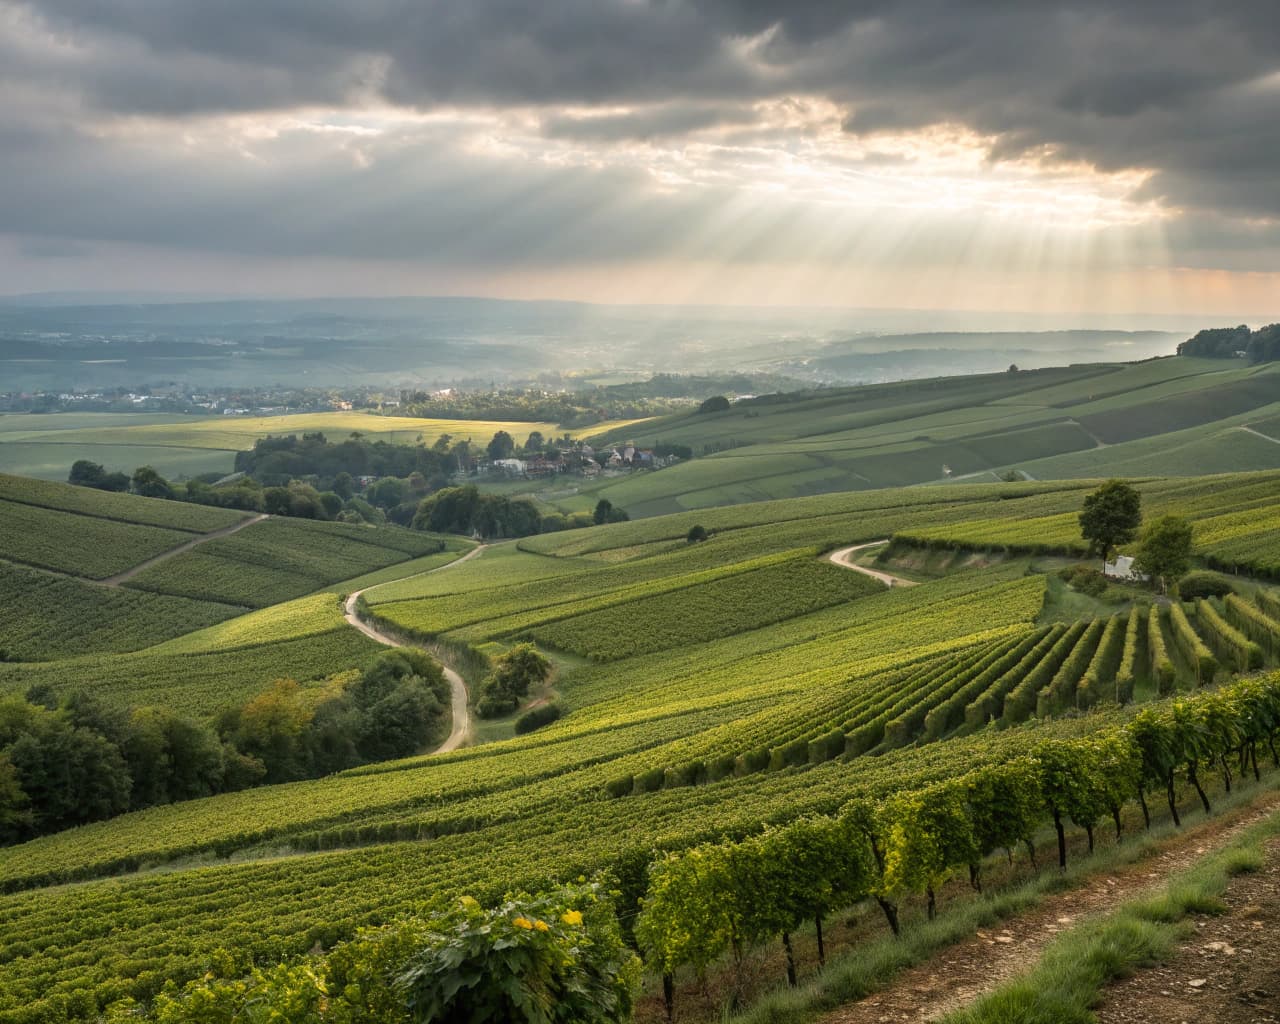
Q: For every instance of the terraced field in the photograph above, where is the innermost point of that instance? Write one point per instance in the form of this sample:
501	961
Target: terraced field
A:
709	688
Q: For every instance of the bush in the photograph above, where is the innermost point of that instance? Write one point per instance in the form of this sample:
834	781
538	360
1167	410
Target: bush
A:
538	717
554	957
1085	579
1203	584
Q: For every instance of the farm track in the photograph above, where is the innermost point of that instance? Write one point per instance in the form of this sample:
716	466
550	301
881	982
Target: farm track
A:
957	976
461	729
181	549
844	559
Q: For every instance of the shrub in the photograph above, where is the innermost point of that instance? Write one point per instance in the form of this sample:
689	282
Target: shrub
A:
538	717
1203	584
554	957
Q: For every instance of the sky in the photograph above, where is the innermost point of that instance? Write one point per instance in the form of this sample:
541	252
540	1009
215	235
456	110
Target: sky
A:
1090	156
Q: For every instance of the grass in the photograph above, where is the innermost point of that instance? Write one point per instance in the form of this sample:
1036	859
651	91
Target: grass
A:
1067	982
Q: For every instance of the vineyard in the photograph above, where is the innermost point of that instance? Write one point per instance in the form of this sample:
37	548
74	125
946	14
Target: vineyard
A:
279	559
739	702
49	616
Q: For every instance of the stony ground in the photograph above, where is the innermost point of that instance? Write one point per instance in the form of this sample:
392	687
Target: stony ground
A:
1228	972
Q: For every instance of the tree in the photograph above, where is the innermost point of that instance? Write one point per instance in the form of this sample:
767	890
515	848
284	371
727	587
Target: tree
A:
85	473
1165	551
514	673
1013	368
606	513
535	442
1111	517
150	484
696	534
716	403
502	446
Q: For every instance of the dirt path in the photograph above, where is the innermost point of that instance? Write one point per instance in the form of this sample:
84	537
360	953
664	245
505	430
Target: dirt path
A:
1228	971
461	731
226	531
958	975
844	559
1259	433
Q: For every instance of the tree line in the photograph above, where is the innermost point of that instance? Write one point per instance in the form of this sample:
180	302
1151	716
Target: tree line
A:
69	761
1260	346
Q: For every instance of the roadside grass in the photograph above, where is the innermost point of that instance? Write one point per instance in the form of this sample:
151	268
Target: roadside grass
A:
1067	982
871	966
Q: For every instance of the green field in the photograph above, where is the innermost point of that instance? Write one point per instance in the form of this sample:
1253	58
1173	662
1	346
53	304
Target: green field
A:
708	688
46	445
1171	416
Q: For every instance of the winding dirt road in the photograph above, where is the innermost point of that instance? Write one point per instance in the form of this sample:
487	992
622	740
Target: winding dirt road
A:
844	559
461	730
164	556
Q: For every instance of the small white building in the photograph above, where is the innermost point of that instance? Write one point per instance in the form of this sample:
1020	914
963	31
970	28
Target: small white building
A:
1122	569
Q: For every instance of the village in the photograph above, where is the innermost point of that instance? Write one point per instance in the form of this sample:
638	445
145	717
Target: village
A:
579	460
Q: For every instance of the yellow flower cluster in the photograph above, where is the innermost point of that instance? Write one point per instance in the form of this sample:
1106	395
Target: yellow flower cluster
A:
525	923
573	917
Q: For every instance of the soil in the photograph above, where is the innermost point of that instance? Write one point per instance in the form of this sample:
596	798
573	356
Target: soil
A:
1228	972
844	559
963	972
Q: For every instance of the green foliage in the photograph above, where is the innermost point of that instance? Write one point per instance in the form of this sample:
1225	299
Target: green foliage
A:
1255	623
556	957
465	510
537	717
1201	659
1164	553
1111	517
1238	651
513	674
1203	584
48	616
1162	669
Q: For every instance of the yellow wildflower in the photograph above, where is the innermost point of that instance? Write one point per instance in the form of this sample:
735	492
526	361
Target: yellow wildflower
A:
522	922
542	926
572	917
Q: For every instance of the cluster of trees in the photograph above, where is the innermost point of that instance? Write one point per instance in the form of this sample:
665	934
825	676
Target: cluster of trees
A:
468	511
1260	346
277	460
725	897
1112	516
513	675
568	408
71	761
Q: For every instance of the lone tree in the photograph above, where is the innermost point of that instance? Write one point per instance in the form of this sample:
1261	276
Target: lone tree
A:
1165	551
716	403
1111	517
696	534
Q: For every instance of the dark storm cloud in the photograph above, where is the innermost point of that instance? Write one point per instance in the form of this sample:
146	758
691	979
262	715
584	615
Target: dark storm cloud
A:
1178	87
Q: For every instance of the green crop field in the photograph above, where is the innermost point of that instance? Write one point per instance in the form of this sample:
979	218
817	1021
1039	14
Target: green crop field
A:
45	446
278	559
1172	416
706	688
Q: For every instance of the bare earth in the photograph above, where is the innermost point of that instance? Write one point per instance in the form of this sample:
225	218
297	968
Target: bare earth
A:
962	973
844	559
1227	972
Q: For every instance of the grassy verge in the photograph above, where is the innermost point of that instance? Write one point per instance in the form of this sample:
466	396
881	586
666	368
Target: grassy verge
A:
1070	976
871	966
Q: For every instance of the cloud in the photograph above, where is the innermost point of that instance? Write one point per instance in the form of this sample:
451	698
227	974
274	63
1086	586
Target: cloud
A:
499	132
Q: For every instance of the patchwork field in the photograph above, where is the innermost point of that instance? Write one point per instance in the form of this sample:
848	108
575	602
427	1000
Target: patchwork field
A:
46	445
705	689
1173	416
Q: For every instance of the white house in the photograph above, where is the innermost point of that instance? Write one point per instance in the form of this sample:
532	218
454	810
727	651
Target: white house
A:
1122	569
